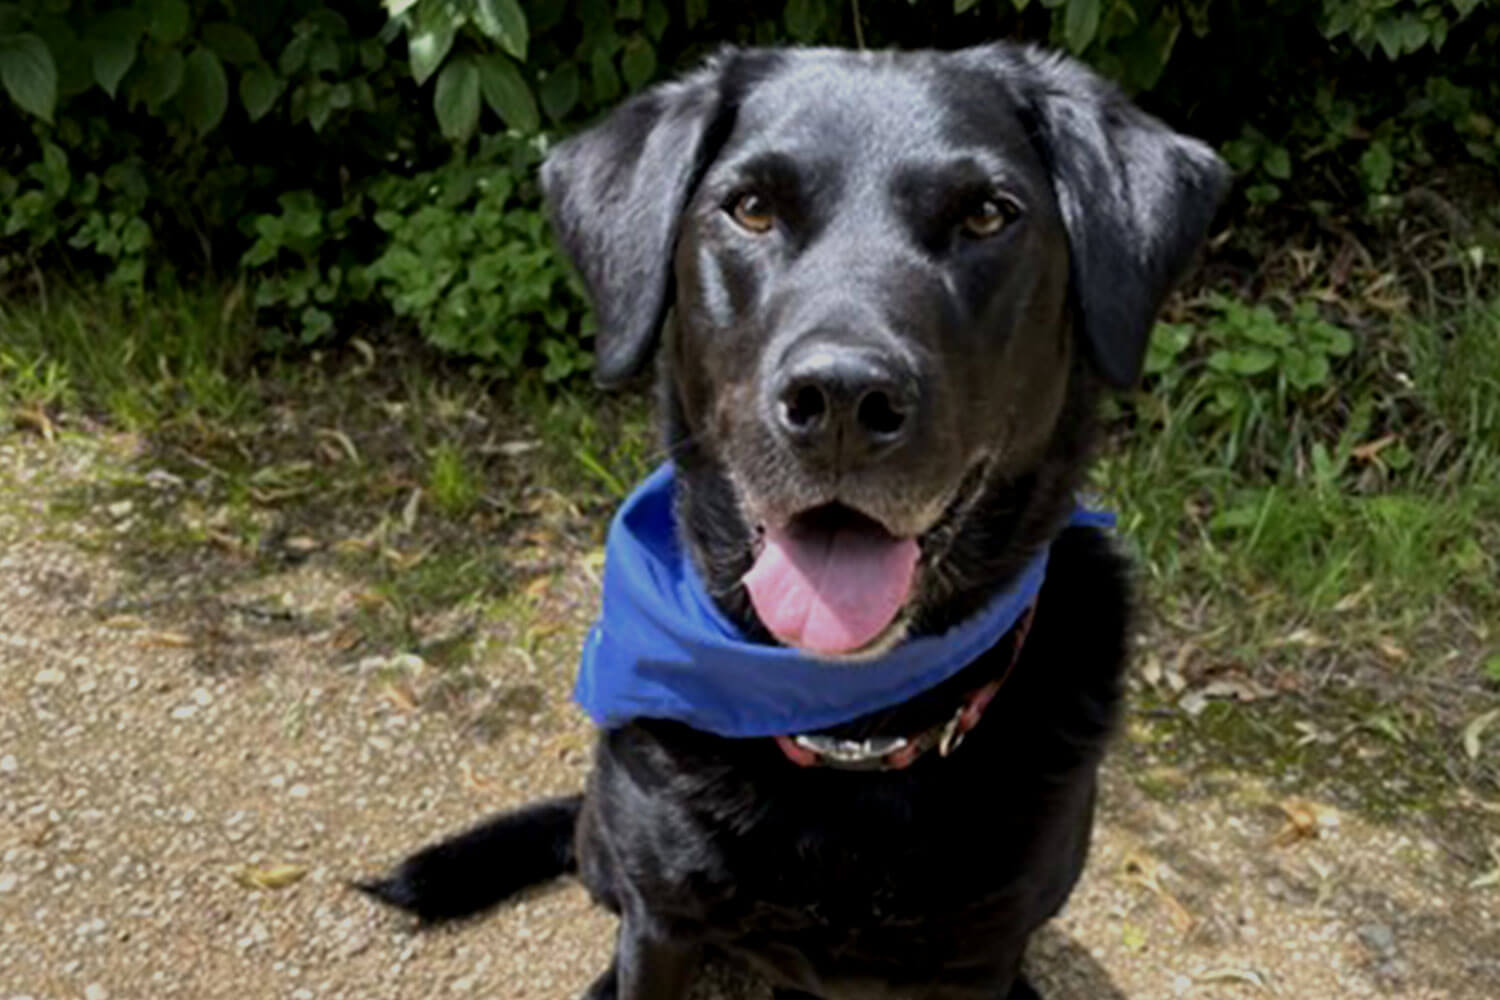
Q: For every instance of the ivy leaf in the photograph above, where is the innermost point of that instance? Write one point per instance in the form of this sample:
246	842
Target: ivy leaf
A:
456	99
231	43
505	22
507	93
259	88
29	74
1081	23
427	49
205	95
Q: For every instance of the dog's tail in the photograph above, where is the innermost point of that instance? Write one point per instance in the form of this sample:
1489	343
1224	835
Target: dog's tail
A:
484	865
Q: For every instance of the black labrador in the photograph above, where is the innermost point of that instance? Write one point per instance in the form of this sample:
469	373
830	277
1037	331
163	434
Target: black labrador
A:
890	290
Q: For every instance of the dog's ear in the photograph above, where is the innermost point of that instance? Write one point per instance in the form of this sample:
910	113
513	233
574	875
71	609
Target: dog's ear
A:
1136	199
616	192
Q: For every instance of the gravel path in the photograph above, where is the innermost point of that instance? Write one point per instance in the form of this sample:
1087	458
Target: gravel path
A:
190	773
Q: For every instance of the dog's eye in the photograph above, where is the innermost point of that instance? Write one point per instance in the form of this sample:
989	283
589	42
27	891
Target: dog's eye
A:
753	213
990	216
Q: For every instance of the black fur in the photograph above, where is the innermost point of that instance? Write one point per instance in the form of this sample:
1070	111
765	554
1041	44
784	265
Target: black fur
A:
924	883
485	864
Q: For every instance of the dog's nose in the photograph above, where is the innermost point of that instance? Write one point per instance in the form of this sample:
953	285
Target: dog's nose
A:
844	404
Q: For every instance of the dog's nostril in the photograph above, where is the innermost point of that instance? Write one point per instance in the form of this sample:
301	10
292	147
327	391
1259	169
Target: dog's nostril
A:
804	407
879	414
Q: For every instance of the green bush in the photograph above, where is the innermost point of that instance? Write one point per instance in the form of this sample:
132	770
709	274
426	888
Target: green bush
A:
348	161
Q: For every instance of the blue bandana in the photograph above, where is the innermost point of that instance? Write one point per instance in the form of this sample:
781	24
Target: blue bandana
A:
662	649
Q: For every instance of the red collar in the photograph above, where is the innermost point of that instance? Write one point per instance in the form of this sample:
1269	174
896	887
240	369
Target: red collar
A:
896	753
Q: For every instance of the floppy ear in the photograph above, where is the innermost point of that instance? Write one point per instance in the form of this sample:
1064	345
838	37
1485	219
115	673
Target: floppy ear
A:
616	192
1136	198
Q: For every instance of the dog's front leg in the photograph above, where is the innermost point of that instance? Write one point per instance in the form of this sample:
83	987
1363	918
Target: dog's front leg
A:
648	964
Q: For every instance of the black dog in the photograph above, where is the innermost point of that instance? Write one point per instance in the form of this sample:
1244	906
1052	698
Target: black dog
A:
893	287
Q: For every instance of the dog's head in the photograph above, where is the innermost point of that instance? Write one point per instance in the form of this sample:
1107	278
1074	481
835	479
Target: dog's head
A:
891	285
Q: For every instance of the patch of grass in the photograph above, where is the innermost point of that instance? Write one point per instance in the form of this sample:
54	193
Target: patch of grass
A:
453	485
1365	515
1455	371
1276	478
595	443
179	353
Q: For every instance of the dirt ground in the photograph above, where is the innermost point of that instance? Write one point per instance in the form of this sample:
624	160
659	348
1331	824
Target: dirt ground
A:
194	761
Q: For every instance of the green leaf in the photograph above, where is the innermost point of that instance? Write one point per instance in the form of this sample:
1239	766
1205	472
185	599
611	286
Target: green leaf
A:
1262	194
1245	361
71	58
259	88
1081	23
231	43
205	95
504	21
427	49
167	20
638	63
315	324
1304	371
112	59
804	18
507	94
606	80
294	56
456	99
323	56
1278	163
1388	34
694	11
1376	166
162	78
29	74
658	19
960	6
559	92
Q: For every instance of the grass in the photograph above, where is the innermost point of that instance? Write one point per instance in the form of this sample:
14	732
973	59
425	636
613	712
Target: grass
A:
180	354
1360	514
1362	509
1337	542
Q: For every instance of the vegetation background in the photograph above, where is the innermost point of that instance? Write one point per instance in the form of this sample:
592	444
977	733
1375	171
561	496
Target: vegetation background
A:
296	250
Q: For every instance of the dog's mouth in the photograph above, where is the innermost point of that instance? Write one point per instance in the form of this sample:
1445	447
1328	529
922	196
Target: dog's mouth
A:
836	582
831	580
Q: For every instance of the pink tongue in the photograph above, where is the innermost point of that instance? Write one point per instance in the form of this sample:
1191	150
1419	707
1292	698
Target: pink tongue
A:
831	592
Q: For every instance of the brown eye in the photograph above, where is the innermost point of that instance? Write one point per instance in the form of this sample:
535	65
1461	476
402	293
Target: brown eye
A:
753	213
990	217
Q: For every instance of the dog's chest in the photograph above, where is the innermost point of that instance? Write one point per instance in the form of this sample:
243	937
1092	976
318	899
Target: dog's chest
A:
873	897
